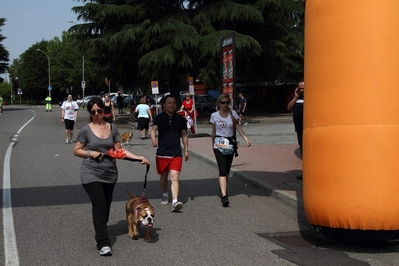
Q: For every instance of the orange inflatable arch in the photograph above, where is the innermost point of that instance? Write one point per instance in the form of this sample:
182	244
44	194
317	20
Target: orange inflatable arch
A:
351	117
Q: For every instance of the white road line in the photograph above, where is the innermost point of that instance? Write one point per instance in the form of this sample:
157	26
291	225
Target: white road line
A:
10	242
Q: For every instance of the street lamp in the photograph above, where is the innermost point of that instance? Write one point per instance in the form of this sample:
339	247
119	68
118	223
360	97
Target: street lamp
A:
9	77
11	88
49	84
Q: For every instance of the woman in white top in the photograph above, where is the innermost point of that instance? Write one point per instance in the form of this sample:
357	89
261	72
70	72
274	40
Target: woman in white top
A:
69	115
224	143
144	117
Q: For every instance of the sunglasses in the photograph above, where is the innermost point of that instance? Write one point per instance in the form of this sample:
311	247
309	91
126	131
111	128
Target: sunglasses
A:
99	111
224	102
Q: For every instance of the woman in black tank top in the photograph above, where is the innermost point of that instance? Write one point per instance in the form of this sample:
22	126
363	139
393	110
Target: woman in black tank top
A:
109	115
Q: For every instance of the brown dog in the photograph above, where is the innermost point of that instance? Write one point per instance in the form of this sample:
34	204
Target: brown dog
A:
126	137
139	211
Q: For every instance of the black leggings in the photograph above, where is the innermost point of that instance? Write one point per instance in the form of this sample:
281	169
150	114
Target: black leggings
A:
101	197
224	162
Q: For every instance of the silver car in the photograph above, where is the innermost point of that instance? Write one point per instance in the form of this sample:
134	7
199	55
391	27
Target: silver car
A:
86	100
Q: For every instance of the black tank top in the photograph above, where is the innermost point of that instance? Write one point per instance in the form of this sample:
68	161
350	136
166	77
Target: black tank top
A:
107	108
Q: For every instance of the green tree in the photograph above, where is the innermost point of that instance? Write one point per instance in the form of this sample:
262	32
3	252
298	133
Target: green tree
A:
67	66
269	38
164	41
30	71
13	74
281	37
33	71
217	19
4	54
106	35
139	41
5	90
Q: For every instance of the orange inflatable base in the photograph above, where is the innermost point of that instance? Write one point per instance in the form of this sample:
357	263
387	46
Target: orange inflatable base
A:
358	236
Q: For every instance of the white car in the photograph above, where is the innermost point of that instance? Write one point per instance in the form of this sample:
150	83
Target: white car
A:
86	100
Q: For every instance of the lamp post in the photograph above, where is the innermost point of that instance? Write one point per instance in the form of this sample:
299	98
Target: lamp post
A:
11	89
49	84
9	78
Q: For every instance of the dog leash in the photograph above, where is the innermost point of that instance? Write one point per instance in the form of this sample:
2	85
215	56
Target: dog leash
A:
113	155
145	178
120	154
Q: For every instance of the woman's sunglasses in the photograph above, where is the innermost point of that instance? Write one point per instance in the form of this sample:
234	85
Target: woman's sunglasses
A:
224	102
99	111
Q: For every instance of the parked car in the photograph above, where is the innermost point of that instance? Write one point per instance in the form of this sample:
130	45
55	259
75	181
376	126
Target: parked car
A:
86	99
129	101
159	98
113	98
205	103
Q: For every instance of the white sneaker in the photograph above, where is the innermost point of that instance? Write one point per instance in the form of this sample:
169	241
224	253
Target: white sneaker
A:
105	251
70	141
245	123
67	141
177	206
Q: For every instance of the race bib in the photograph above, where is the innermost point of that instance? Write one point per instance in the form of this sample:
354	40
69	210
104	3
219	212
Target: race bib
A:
221	142
223	145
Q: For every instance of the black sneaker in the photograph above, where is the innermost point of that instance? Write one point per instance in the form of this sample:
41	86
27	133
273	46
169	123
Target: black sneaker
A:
225	201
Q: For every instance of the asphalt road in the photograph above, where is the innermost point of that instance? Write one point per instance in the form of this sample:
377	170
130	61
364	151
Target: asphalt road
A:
47	219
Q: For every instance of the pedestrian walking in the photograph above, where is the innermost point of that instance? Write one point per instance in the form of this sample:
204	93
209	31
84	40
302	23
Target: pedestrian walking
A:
78	100
69	115
99	173
296	106
144	117
109	112
188	108
119	103
169	159
48	103
188	105
224	143
242	109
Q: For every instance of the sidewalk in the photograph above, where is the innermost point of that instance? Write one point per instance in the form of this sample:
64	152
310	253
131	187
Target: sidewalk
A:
271	168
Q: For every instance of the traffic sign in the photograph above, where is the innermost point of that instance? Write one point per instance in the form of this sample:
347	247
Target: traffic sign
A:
191	85
154	87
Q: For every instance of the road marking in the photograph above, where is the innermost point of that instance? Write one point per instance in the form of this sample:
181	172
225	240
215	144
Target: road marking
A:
10	242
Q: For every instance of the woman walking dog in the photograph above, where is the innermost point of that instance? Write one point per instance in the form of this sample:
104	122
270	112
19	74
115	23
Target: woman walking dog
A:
99	173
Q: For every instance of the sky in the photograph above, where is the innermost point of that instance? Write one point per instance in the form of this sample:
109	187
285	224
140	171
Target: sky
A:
30	21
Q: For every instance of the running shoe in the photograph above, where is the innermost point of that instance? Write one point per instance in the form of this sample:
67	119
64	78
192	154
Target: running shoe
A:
177	206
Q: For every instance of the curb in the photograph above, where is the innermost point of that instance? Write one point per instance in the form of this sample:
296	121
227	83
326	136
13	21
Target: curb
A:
273	191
